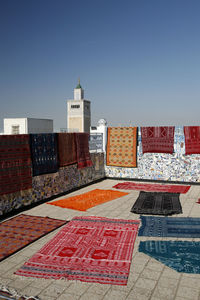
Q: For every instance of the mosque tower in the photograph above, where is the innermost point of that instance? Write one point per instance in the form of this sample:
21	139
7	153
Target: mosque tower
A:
78	112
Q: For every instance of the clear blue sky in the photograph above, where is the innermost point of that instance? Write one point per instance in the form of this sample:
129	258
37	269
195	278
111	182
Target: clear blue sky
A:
138	61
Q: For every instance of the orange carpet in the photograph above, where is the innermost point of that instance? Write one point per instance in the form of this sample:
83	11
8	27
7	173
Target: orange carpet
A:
87	200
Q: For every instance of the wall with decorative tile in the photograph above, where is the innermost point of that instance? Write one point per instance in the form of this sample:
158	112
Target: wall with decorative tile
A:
162	166
48	185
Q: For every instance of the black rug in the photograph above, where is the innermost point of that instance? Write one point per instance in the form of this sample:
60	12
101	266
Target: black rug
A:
157	204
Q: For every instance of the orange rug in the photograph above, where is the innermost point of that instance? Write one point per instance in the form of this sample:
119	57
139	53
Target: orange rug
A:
87	200
122	147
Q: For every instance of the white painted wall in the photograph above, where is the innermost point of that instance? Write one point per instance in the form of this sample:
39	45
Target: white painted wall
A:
28	125
101	128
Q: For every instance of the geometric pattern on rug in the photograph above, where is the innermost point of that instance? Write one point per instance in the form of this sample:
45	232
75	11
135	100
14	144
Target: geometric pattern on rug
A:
90	249
182	189
15	163
158	139
87	200
22	230
182	256
170	227
157	204
122	147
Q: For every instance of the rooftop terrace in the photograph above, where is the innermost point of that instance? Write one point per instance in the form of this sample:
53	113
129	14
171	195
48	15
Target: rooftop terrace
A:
148	278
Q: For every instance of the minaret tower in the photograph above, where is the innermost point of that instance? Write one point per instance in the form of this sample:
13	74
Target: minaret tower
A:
78	112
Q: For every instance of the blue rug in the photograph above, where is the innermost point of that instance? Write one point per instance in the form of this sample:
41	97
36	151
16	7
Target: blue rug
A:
170	227
182	256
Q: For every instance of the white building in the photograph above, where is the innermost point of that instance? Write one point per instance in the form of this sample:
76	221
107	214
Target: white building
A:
78	112
27	125
100	130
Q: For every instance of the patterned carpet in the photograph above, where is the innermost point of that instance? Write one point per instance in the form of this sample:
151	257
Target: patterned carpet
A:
122	147
87	200
182	189
157	204
170	227
22	230
182	256
90	249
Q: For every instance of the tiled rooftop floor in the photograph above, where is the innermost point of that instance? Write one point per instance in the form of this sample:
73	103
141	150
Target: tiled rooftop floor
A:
148	278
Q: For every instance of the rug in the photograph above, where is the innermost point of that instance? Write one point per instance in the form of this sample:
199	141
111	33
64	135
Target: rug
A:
170	227
192	139
12	294
157	204
182	189
66	149
90	249
182	256
22	230
83	154
122	147
15	163
158	139
44	153
87	200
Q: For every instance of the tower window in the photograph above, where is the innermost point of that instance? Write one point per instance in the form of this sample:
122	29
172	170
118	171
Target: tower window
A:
15	129
75	106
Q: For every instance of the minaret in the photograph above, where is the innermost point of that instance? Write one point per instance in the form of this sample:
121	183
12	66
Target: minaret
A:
78	112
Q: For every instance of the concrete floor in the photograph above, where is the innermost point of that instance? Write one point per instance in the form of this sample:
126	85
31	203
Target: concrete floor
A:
148	279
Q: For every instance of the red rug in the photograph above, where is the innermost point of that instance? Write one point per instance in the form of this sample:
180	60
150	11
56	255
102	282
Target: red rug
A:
82	147
66	149
22	230
158	139
192	139
15	163
153	187
90	249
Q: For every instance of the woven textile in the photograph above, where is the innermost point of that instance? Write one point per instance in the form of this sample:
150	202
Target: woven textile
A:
192	139
87	200
170	227
157	204
182	256
91	249
11	294
21	230
15	163
158	139
83	154
67	149
152	187
44	153
122	146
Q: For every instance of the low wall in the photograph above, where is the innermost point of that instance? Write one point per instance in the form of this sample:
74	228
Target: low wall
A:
162	166
49	185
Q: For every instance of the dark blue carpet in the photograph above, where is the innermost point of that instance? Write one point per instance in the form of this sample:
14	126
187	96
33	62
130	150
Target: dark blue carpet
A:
182	256
170	227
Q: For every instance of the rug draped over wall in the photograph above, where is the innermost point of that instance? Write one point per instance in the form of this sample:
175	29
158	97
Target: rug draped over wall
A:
66	149
122	146
83	154
44	153
15	163
158	139
192	139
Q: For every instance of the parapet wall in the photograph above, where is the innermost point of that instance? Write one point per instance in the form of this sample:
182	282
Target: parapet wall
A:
49	185
162	166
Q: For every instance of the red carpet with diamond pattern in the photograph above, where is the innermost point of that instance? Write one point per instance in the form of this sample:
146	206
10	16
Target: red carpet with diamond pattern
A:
90	249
